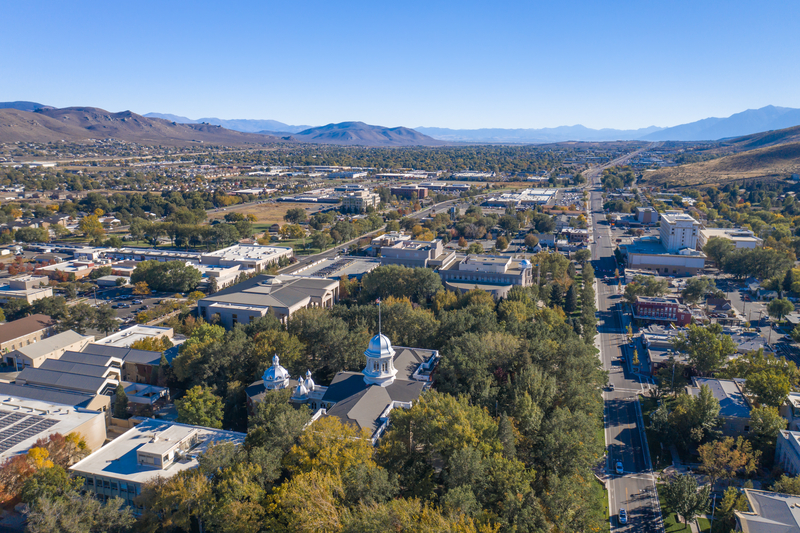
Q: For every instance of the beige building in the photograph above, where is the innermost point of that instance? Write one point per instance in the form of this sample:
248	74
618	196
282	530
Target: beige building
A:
35	354
740	237
24	332
678	231
359	201
431	254
277	295
25	287
494	274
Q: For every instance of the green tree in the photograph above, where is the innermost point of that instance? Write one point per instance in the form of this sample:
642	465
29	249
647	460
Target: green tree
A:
169	276
321	240
79	512
571	300
707	347
779	308
200	407
502	243
724	516
121	402
770	387
787	485
727	458
295	215
101	271
788	280
765	423
80	318
718	248
683	496
584	255
106	319
532	240
697	288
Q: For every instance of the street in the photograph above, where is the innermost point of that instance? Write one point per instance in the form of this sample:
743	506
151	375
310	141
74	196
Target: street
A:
634	490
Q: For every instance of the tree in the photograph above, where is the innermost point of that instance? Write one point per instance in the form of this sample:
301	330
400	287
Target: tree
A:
321	240
531	240
141	288
475	248
726	458
80	318
295	215
292	231
696	288
788	280
787	485
765	423
707	347
106	319
152	344
79	512
169	276
502	243
732	500
770	387
779	308
100	272
682	495
200	407
571	301
718	248
91	227
581	256
121	402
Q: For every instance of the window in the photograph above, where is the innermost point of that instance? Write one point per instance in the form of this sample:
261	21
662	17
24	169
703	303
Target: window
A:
89	482
747	428
113	486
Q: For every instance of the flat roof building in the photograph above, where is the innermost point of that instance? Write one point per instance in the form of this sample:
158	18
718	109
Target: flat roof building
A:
279	295
336	267
734	407
494	274
417	254
740	237
26	287
24	332
152	449
358	201
678	231
35	354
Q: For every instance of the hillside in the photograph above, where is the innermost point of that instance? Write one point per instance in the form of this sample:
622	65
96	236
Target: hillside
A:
24	106
243	125
79	123
360	134
768	163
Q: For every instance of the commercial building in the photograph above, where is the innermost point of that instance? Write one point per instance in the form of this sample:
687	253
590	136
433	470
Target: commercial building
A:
409	191
666	310
244	256
278	295
33	355
523	199
649	253
494	274
150	450
126	337
390	239
790	410
348	174
79	400
734	408
23	421
23	332
410	253
646	215
358	201
679	231
444	188
25	287
787	452
740	237
769	512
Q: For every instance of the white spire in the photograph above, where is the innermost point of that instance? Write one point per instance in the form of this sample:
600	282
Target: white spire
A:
275	377
380	361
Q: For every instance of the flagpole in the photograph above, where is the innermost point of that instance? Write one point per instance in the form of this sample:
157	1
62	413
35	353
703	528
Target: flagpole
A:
379	316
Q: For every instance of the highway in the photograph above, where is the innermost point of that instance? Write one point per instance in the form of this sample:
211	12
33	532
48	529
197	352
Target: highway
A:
634	490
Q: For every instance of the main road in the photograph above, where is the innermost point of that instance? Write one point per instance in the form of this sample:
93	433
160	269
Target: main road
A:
634	489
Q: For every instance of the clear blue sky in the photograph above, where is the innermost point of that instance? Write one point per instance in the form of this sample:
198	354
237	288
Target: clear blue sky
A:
458	64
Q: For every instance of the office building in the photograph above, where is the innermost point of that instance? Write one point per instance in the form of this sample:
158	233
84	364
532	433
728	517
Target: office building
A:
431	254
679	231
33	355
770	512
646	215
494	274
358	201
278	295
150	450
25	287
410	192
23	332
740	237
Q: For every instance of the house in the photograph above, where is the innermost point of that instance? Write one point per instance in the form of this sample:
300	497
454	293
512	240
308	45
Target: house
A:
769	512
23	332
278	295
734	408
35	354
150	450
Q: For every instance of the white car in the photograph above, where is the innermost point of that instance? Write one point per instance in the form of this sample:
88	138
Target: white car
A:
618	468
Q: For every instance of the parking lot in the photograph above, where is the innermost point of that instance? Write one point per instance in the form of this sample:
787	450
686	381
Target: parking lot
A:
125	303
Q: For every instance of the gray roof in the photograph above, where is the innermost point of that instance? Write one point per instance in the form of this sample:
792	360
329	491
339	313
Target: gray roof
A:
87	358
771	513
732	402
61	380
81	369
272	291
50	344
32	392
364	408
144	357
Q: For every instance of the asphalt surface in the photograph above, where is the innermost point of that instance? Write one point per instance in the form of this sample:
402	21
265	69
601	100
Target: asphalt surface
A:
634	490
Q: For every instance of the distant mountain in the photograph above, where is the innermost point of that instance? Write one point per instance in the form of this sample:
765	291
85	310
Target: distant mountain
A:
80	123
744	123
541	135
24	106
244	125
358	133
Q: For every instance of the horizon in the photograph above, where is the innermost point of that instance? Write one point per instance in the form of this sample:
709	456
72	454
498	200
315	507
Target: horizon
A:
457	66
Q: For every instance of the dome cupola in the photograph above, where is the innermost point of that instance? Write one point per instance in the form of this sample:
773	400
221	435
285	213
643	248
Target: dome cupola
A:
380	368
275	377
300	392
309	383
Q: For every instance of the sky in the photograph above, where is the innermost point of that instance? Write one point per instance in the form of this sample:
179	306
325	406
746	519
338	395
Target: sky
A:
456	64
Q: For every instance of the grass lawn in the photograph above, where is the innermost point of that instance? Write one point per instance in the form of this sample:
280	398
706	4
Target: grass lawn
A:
671	522
600	497
660	459
266	213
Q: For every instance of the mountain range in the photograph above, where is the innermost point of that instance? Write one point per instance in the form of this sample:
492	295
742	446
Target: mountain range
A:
244	125
360	134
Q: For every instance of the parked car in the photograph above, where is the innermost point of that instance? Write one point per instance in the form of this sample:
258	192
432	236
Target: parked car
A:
623	516
618	468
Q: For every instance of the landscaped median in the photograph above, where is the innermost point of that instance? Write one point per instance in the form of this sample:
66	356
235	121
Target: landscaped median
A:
672	524
659	455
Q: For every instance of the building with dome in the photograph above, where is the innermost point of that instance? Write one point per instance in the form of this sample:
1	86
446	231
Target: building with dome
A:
495	274
394	376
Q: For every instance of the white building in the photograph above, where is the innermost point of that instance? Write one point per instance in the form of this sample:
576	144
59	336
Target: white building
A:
25	287
151	450
358	201
740	237
787	452
679	231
